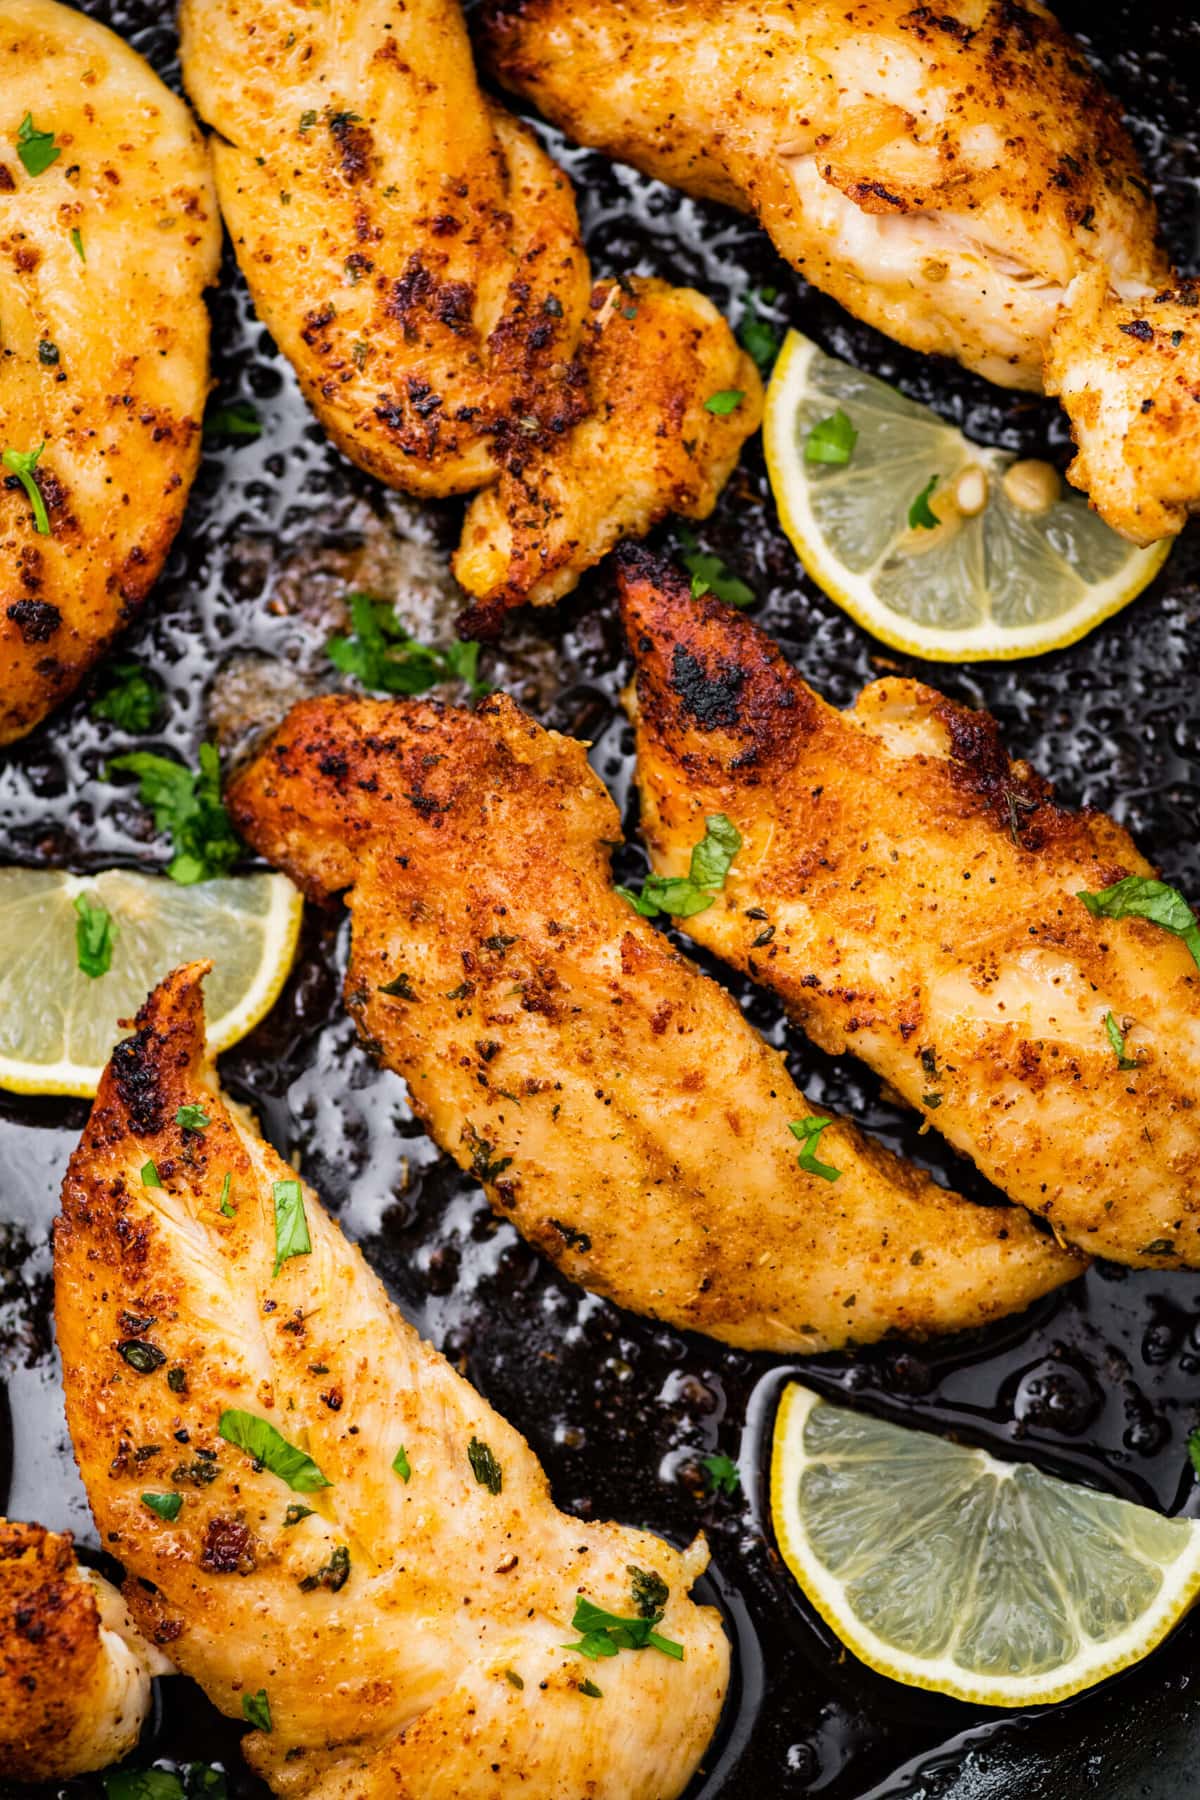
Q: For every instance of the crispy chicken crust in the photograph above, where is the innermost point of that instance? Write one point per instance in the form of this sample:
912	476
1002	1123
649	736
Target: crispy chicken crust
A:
105	347
74	1671
956	175
610	1098
408	1632
923	894
416	254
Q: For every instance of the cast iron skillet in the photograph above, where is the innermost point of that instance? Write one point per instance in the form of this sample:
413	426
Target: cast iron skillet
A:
1098	1383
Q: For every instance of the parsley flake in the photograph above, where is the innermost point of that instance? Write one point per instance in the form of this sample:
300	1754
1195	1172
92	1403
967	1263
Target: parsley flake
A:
685	895
150	1176
227	1208
723	1472
1193	1445
484	1467
36	149
260	1440
384	658
606	1634
724	402
256	1710
1142	897
193	1118
401	1465
95	935
831	440
77	243
131	701
1116	1038
921	516
167	1506
759	339
186	804
591	1690
234	419
291	1223
809	1132
712	575
144	1784
295	1513
22	464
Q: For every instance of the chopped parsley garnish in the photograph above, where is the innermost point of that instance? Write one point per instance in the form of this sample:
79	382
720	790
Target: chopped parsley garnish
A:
723	1472
259	1439
724	402
484	1467
759	339
77	243
48	354
36	149
710	575
831	440
291	1223
232	419
150	1176
604	1633
22	464
591	1690
140	1355
256	1710
308	120
193	1118
400	989
295	1513
187	805
921	515
1193	1445
143	1784
95	935
381	654
1142	897
332	1575
809	1132
513	1679
227	1208
685	895
131	701
650	1592
1116	1038
167	1506
401	1465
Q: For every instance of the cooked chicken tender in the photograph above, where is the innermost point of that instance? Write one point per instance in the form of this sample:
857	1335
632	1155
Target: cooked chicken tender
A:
923	896
75	1671
337	1537
948	174
416	255
109	235
610	1098
650	352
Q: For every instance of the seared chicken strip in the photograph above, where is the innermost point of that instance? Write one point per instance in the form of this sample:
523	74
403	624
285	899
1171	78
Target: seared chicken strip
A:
337	1537
109	234
922	893
416	255
947	173
610	1098
74	1669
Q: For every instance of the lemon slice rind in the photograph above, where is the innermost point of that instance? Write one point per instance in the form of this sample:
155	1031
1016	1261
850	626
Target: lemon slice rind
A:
899	477
1094	1660
58	1026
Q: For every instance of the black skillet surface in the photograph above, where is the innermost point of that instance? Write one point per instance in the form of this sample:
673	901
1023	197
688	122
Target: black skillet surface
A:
1098	1383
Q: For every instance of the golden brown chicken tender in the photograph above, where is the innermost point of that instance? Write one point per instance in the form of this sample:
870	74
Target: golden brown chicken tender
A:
334	1534
950	174
923	898
416	254
74	1671
109	235
610	1098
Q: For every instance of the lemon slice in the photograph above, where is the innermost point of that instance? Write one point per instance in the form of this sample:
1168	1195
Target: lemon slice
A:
945	1569
1013	565
58	1025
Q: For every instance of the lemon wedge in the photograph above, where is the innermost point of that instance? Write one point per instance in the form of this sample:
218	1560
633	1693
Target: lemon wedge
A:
933	544
58	1025
945	1569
